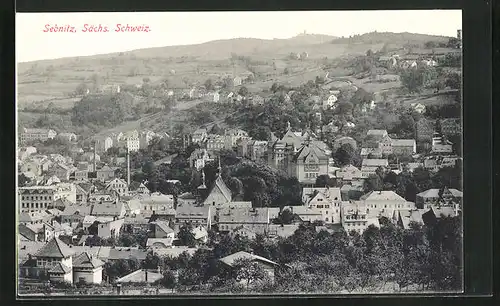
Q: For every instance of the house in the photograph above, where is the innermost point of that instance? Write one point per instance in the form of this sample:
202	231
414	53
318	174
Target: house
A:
439	197
440	145
36	217
118	185
37	198
141	276
370	166
282	230
325	200
309	162
120	253
404	218
35	232
32	165
267	265
103	197
106	173
215	142
74	214
418	107
61	204
330	102
136	224
138	188
349	173
356	218
158	204
108	228
378	139
253	219
61	171
200	234
425	130
80	175
199	135
55	259
70	137
237	81
198	158
305	214
252	149
383	203
232	137
29	135
340	141
24	153
404	147
109	210
196	215
435	213
161	229
166	160
87	269
103	143
90	156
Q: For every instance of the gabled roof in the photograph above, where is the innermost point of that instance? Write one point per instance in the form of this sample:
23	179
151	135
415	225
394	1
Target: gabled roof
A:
108	209
220	188
244	215
139	276
164	226
375	162
159	242
193	212
403	142
75	208
382	196
377	132
229	260
55	248
60	268
85	260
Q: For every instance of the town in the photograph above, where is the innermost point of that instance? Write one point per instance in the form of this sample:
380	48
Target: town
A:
226	188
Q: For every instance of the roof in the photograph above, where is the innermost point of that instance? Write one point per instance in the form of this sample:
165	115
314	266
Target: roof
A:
159	242
174	252
219	188
329	193
55	248
199	232
77	208
85	260
311	150
126	253
60	268
285	230
382	196
164	226
32	216
229	260
434	193
377	132
303	210
139	276
192	212
244	215
403	142
108	209
375	162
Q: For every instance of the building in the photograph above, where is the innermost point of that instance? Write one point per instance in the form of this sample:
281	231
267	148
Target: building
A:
119	186
370	166
145	138
70	137
405	218
309	162
162	229
74	214
38	198
28	135
325	200
232	137
235	218
108	228
237	81
198	158
435	213
158	204
268	266
404	147
62	171
87	269
215	142
196	215
305	214
55	259
141	276
103	143
106	173
383	203
24	153
440	145
439	197
103	197
199	135
218	194
349	173
253	149
356	218
418	107
138	189
116	210
330	102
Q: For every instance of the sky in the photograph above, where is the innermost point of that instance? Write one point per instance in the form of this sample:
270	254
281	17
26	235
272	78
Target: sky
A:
184	28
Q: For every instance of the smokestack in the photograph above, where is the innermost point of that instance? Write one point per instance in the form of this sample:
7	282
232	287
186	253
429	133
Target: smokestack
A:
128	168
95	153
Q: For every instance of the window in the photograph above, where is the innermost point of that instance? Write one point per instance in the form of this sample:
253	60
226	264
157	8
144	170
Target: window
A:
327	206
320	200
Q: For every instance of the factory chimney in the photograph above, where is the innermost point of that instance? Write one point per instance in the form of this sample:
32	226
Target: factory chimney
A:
128	168
95	153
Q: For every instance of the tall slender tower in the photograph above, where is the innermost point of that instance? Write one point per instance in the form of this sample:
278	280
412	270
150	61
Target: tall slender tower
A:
128	168
95	154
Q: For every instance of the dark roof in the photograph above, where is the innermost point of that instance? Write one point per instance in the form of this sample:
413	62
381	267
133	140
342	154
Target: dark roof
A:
84	260
55	248
60	268
127	253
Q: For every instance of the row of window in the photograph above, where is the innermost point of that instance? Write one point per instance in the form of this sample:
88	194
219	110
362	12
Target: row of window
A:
311	175
36	198
354	218
355	224
35	205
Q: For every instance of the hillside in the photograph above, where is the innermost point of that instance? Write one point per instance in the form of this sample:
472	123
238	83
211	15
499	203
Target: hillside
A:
390	38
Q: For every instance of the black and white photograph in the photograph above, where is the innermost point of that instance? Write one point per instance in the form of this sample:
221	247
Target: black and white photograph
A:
289	153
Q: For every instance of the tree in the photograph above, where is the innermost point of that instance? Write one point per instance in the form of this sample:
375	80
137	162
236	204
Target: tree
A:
168	279
209	84
81	89
345	155
286	216
22	180
369	53
286	71
186	236
243	91
324	180
248	271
